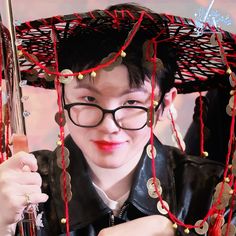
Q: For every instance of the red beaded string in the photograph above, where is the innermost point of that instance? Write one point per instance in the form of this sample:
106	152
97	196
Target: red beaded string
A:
232	205
175	131
62	134
1	123
201	125
7	132
172	217
98	67
212	210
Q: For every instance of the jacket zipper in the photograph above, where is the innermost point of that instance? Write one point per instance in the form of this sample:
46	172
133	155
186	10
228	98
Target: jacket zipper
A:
122	210
112	219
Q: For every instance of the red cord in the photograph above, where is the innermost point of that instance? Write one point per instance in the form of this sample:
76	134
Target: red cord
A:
231	208
133	32
201	125
98	67
62	137
175	131
1	123
7	132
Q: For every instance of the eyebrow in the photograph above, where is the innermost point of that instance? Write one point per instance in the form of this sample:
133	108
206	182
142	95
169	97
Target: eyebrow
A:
133	90
128	91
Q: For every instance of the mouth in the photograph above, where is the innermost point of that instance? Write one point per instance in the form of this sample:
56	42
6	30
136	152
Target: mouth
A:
108	146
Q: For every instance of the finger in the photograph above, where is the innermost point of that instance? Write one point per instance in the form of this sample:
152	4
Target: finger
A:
33	198
26	169
29	178
21	159
30	189
17	178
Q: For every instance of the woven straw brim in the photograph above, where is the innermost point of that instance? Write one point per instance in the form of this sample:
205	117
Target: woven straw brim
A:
203	54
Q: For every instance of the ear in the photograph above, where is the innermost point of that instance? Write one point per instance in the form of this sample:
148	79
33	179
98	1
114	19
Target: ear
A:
168	100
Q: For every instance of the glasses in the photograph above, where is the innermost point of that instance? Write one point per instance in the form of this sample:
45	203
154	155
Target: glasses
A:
125	117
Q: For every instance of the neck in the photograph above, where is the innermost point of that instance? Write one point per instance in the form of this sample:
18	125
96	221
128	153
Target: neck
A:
115	182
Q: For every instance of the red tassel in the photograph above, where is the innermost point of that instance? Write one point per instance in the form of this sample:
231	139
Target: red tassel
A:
215	229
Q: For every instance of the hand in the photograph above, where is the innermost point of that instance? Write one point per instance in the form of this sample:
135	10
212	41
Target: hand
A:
19	185
155	225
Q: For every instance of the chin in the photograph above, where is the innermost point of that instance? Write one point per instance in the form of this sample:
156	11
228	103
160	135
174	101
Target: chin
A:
109	164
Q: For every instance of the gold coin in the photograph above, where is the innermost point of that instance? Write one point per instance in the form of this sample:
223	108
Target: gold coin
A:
231	232
229	111
161	209
68	191
60	118
234	171
117	62
68	195
31	58
234	166
149	153
50	77
234	161
66	79
67	178
231	102
214	37
226	187
232	79
213	219
153	194
66	157
150	182
151	187
232	202
203	229
224	201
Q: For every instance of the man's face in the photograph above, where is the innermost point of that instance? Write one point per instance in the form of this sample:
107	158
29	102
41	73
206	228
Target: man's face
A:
107	145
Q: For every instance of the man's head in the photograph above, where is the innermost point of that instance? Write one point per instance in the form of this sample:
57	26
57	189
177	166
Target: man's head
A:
83	50
107	115
107	118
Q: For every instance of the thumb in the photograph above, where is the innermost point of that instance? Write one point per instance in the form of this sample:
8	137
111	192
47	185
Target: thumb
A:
23	161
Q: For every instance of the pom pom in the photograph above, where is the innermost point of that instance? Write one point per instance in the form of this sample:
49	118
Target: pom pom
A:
93	74
186	231
63	220
123	54
80	76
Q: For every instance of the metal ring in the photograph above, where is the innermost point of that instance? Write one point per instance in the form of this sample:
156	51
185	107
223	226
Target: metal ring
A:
27	200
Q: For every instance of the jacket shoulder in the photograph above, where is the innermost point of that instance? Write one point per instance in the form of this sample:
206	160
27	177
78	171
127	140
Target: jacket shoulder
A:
195	181
180	160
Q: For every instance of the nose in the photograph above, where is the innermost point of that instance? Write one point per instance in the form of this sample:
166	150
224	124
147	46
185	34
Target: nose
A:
108	124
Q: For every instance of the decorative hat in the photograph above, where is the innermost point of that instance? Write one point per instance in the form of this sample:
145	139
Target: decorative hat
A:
205	56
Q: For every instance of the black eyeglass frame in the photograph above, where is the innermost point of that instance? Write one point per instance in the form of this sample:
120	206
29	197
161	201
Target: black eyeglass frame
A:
107	111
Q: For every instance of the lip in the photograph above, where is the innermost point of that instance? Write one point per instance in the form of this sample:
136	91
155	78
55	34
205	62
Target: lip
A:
107	145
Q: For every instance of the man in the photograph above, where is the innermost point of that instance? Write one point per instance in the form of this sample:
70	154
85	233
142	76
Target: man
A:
117	70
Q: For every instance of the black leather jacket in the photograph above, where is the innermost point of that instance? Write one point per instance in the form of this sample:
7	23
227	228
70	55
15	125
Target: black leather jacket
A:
187	182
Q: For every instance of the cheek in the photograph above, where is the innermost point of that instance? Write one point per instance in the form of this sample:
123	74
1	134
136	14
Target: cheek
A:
140	137
75	131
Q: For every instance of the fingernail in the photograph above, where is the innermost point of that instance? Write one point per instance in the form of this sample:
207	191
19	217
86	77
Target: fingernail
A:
45	197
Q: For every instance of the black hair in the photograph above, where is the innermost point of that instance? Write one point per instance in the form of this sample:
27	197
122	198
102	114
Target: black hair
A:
86	48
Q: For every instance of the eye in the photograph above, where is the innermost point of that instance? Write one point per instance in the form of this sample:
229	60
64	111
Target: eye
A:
89	99
131	102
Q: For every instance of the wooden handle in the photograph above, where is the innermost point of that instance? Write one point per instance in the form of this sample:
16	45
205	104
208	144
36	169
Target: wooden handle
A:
27	227
20	143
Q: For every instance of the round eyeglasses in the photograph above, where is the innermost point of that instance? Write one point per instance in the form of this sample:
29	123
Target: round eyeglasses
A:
125	117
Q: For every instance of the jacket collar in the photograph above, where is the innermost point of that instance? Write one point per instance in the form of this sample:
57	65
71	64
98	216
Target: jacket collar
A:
86	206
